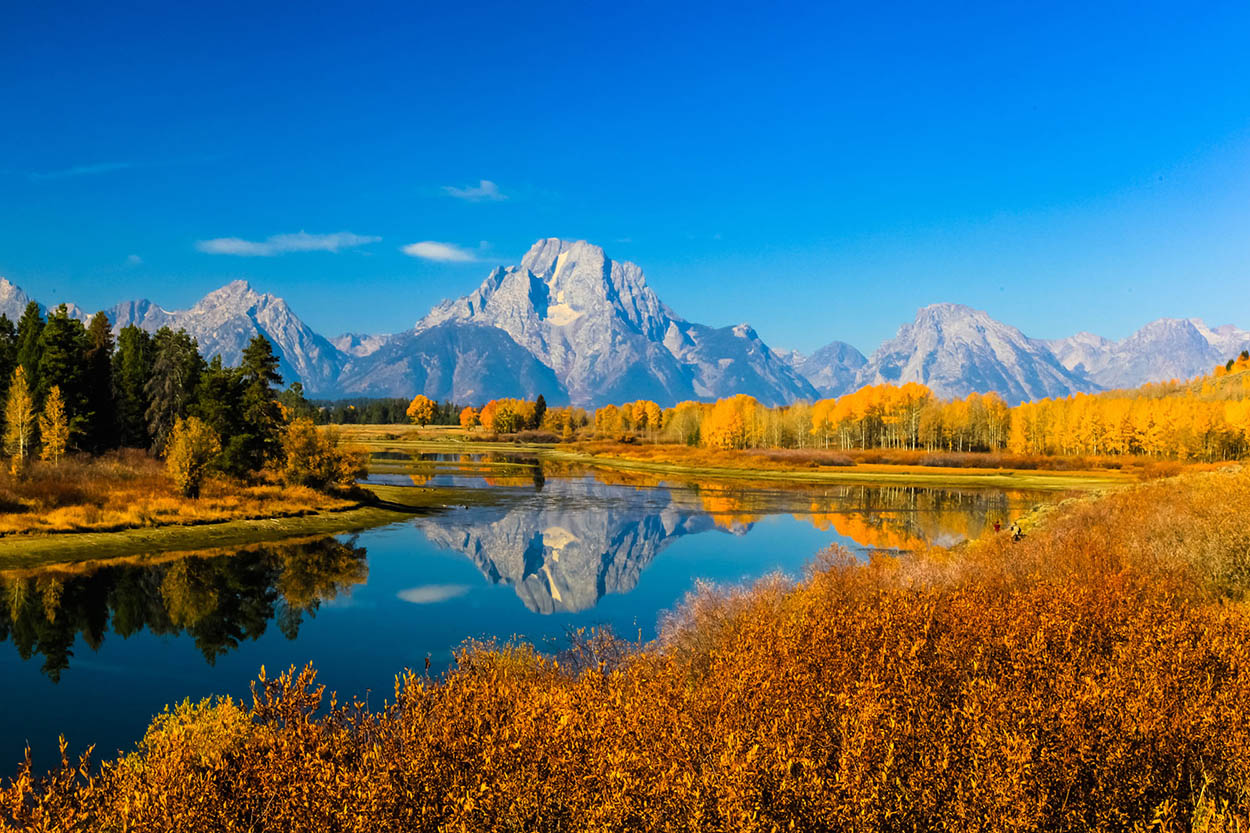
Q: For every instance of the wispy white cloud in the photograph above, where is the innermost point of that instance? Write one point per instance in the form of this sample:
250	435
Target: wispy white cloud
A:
134	260
283	243
440	252
81	170
485	190
433	593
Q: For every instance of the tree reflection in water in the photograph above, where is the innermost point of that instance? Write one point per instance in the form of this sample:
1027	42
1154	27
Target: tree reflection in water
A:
219	600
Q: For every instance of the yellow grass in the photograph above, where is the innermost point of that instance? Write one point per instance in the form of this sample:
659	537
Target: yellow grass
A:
131	490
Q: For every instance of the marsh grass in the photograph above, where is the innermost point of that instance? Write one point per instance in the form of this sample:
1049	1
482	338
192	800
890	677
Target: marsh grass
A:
129	489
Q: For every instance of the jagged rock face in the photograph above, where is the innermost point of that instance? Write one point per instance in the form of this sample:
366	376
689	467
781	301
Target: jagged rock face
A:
590	319
957	350
1169	348
13	300
224	321
560	557
607	335
729	360
456	361
359	344
833	369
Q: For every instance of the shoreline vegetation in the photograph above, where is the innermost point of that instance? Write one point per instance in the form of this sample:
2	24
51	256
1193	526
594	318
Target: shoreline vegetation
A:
921	468
1093	675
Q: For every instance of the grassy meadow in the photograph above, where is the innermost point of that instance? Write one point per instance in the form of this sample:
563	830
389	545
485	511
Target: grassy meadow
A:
129	489
1092	676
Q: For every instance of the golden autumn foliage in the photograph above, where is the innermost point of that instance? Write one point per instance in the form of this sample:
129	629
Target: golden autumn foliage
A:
19	420
1093	676
469	418
316	458
422	409
193	446
129	490
53	427
507	416
1207	419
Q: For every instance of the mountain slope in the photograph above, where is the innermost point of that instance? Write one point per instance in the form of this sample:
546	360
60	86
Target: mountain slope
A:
833	369
13	300
224	321
608	337
957	350
456	361
1169	348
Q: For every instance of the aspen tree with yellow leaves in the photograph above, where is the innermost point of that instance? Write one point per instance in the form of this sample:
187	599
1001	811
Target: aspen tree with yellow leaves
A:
422	409
53	427
19	420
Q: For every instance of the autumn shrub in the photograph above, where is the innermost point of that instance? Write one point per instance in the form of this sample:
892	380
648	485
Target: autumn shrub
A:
317	459
192	448
545	437
1093	676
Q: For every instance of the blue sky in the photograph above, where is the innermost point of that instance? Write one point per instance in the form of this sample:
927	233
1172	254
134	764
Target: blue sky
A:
817	170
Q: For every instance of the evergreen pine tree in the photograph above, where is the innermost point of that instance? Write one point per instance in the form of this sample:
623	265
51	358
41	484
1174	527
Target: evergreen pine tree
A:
295	404
62	364
8	354
540	410
101	430
132	367
29	329
171	390
262	418
219	404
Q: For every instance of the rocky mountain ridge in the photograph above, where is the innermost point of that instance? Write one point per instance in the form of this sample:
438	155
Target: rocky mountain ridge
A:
579	327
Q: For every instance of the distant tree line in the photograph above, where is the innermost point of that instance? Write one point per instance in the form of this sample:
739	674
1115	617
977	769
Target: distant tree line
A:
70	386
503	416
382	411
1207	418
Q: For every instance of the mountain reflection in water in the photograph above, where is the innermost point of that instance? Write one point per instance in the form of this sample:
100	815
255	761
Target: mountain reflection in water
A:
577	538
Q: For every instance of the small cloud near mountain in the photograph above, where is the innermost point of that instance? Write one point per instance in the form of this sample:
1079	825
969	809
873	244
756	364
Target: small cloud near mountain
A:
439	252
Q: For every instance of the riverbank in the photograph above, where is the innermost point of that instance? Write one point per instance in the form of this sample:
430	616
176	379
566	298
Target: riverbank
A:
1091	676
688	463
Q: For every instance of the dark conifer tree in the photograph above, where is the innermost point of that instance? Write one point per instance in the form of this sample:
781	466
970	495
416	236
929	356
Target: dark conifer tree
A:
262	418
540	410
132	367
8	354
171	390
29	329
101	432
62	363
219	403
295	404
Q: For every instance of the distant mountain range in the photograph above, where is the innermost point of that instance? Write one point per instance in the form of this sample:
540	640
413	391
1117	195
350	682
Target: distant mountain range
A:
578	327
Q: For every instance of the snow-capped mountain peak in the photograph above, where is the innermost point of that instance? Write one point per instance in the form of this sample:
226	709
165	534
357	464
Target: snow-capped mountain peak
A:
956	350
607	335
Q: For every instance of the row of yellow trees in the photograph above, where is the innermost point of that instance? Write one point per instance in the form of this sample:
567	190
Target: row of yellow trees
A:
1207	419
20	419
